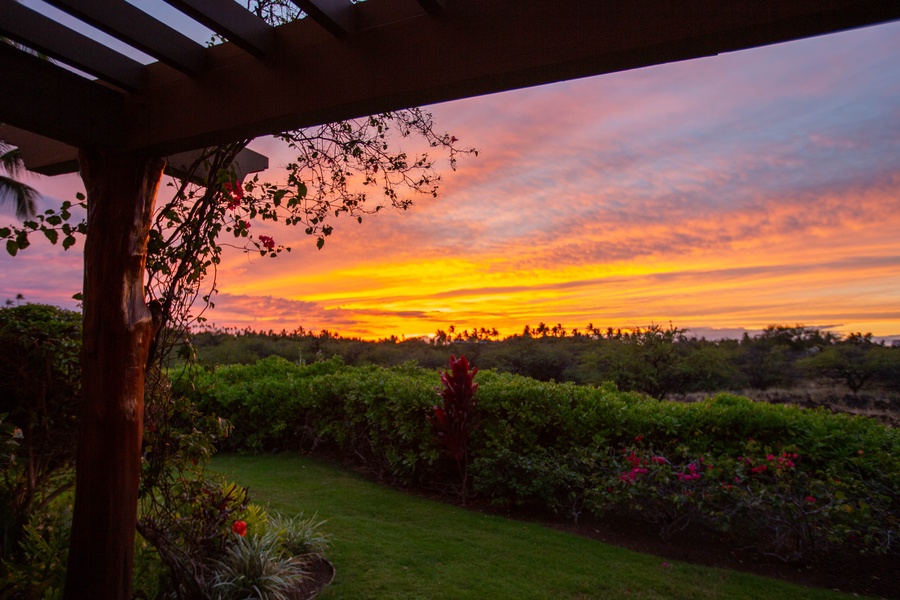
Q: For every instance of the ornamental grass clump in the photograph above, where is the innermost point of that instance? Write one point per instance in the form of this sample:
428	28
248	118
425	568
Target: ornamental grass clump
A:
299	536
254	567
454	420
267	556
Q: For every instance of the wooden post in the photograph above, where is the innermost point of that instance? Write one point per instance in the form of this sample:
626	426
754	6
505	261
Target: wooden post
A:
121	192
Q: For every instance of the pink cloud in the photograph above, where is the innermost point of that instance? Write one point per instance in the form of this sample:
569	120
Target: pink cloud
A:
734	191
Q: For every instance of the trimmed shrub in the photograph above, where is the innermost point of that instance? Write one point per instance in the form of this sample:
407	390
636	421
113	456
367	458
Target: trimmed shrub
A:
567	449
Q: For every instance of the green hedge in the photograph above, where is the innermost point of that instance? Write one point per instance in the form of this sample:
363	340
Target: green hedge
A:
574	449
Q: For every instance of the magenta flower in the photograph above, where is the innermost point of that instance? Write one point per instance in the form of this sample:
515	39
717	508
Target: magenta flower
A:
234	189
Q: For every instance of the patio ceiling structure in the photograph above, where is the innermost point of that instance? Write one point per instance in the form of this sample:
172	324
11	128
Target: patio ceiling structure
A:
117	119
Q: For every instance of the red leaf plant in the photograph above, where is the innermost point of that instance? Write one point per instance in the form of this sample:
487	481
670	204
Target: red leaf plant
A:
454	419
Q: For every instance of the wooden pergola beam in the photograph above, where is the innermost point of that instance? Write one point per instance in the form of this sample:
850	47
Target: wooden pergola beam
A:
433	7
233	22
29	27
336	16
42	97
50	157
134	27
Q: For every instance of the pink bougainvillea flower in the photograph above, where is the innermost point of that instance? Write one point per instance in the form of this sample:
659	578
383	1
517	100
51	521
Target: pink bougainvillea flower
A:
810	499
233	188
233	194
659	460
240	528
267	242
638	438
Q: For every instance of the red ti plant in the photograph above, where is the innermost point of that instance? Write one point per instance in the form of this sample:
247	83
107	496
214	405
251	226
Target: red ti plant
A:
454	419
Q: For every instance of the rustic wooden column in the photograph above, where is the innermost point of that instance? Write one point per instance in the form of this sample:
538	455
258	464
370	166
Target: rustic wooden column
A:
121	192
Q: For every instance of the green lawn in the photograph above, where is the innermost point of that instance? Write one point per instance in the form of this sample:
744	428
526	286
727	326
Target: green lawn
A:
386	544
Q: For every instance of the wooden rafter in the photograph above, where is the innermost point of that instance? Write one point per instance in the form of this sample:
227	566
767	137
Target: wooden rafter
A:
57	103
45	35
57	158
134	27
231	21
433	7
336	16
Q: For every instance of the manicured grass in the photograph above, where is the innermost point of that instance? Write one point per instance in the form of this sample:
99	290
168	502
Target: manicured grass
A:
386	544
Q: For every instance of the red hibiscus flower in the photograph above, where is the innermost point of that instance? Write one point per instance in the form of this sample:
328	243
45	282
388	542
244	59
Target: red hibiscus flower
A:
240	528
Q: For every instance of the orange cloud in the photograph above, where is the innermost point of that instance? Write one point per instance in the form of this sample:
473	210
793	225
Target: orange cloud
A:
723	194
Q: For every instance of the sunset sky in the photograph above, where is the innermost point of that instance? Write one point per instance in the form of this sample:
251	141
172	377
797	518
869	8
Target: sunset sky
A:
721	195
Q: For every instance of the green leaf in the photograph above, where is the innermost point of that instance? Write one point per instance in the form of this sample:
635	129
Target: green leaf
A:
79	296
12	247
301	190
320	242
54	220
52	235
5	232
79	196
68	242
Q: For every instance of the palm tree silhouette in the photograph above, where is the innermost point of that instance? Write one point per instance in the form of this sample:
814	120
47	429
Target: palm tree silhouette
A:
11	189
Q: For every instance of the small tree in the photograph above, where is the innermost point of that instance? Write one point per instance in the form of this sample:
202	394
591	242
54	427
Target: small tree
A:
854	361
454	419
39	387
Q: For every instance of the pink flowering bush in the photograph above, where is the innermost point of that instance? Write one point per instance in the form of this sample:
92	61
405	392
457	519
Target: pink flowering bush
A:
774	501
778	502
668	491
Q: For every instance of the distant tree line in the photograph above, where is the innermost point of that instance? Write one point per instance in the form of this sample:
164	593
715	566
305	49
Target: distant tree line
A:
658	361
